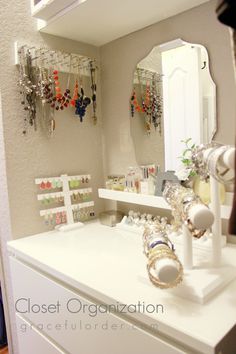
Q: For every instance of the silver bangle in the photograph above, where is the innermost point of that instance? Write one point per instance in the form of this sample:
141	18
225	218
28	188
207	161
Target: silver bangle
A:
213	165
198	158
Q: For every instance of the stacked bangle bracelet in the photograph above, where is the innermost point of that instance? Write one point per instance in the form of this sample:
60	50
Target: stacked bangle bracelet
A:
212	164
157	255
215	166
181	200
157	248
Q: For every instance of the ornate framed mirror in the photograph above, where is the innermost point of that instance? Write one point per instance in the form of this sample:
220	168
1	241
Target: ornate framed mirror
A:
173	99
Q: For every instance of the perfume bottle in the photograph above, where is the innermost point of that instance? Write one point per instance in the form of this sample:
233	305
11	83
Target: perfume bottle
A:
148	176
137	179
129	183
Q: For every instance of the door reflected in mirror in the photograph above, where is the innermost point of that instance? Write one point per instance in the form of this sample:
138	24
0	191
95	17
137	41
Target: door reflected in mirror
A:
173	99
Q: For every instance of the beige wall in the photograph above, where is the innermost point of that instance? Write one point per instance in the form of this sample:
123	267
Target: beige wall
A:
79	148
120	57
76	148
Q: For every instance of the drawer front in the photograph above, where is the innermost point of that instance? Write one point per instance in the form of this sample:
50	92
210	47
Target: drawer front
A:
71	320
32	341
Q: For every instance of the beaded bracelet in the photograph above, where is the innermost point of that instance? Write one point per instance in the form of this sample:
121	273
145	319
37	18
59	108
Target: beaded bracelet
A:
157	246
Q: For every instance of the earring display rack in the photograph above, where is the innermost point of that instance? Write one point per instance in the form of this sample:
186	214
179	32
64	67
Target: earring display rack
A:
73	198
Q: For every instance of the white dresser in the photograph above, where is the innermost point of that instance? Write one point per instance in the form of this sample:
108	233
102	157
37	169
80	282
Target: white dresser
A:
68	287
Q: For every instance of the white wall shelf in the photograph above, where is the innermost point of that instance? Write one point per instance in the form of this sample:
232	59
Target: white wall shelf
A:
147	200
134	198
45	9
84	21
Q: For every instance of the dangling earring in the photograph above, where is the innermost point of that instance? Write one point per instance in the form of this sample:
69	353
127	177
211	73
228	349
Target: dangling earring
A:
92	213
58	94
46	219
147	108
59	184
132	108
156	102
63	217
71	184
75	94
51	217
82	102
54	184
58	218
65	98
76	183
94	91
48	185
147	96
134	105
42	185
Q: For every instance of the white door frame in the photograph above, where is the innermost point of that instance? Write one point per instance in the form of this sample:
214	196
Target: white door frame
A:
5	236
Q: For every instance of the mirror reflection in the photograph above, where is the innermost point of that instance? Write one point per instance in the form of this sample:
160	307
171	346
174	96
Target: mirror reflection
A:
173	99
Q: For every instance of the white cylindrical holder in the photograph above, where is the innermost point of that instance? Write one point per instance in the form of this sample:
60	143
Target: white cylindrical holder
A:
187	248
229	158
201	216
216	227
167	270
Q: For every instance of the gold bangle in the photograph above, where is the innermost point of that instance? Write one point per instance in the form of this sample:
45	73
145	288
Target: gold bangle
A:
154	279
162	249
159	249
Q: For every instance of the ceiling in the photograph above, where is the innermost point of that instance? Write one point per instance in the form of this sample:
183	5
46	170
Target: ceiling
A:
101	21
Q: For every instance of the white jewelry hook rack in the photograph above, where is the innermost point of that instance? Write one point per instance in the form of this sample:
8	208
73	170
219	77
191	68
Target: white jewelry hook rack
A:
62	61
66	194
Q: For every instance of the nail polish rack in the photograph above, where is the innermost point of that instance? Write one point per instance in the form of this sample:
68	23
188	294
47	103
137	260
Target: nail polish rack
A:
77	203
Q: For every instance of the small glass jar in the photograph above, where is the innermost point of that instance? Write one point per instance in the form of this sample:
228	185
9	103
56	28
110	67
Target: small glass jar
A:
115	182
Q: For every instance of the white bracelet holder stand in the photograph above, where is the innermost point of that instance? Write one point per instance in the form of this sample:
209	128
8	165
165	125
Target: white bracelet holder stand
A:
228	160
66	194
217	226
187	248
204	280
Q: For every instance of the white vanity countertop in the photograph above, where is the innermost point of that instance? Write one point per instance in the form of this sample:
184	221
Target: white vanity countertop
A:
108	264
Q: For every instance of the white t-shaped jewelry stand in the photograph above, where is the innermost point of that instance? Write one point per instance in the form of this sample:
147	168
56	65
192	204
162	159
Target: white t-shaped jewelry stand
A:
200	283
228	160
217	226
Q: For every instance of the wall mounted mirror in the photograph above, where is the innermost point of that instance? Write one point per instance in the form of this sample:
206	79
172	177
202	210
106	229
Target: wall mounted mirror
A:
173	99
